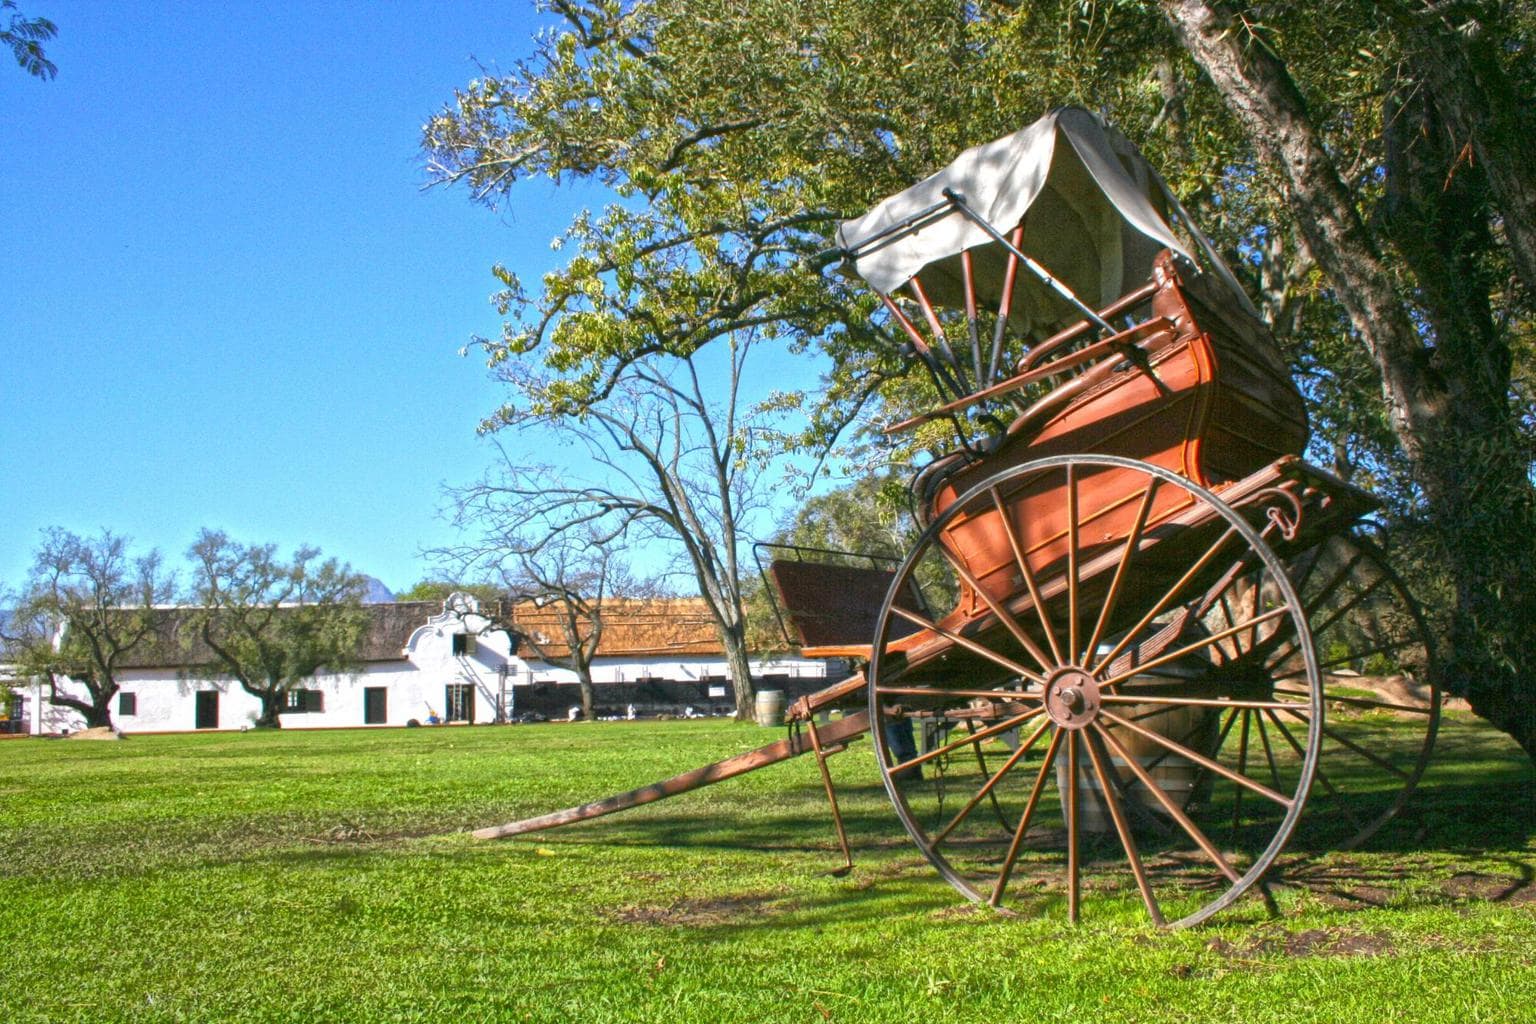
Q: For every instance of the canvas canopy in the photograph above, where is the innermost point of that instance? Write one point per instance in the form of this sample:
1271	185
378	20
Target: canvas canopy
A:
1094	212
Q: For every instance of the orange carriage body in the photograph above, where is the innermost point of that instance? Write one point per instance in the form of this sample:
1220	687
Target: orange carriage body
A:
1222	406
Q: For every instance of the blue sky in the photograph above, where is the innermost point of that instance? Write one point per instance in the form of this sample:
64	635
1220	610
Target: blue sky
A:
227	300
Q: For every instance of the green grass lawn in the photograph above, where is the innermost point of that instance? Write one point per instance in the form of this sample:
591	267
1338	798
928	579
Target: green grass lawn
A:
330	876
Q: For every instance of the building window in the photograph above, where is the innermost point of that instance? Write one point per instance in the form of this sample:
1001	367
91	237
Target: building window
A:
463	645
13	712
459	699
127	703
301	702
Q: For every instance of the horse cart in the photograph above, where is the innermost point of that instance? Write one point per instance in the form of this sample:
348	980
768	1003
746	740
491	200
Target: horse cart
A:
1137	635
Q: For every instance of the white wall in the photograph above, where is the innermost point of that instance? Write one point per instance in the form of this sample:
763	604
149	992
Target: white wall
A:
414	686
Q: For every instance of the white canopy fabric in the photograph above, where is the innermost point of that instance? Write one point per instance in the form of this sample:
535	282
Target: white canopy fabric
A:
1094	214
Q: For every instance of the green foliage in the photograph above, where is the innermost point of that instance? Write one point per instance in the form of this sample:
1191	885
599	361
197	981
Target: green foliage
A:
25	37
735	139
438	590
326	876
868	516
87	606
270	624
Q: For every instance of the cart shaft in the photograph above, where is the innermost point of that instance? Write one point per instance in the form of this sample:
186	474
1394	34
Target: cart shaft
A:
830	735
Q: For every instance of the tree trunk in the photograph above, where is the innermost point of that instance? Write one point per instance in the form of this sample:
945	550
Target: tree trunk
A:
584	682
97	711
1258	89
734	640
1490	122
271	708
1482	505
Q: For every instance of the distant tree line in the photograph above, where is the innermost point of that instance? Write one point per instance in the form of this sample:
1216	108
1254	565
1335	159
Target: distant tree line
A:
91	604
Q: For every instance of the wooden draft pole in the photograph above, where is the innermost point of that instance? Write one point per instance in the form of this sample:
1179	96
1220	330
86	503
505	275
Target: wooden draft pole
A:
824	740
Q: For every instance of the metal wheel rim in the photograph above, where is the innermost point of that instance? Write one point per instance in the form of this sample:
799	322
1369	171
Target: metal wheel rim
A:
1255	544
1369	557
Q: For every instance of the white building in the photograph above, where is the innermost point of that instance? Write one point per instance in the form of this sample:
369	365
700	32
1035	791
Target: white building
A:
426	660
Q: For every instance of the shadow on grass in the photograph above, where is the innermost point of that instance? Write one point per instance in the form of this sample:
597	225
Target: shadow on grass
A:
1434	853
1465	836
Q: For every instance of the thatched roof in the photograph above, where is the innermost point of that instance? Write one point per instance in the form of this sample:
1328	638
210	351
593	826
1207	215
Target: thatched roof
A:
175	645
631	627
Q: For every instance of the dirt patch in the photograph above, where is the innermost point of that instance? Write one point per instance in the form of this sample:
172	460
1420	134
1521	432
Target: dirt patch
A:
966	911
701	913
349	833
1310	942
1475	885
101	732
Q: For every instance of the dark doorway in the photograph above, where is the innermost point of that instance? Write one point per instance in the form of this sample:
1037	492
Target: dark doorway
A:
460	701
375	705
207	709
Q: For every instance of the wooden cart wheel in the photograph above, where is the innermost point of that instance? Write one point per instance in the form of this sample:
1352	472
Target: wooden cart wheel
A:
1380	676
1090	631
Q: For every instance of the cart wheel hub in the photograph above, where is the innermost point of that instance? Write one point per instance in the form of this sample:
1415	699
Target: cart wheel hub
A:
1072	698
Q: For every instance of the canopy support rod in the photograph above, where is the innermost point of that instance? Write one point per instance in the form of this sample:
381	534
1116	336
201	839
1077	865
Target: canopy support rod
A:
1137	357
942	381
1035	268
1005	305
864	246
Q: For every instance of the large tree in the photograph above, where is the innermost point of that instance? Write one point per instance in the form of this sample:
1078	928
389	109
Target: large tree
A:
566	585
1430	251
658	457
551	589
269	623
88	605
1365	165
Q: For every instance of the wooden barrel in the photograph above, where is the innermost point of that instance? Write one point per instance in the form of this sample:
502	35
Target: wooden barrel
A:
768	709
1179	778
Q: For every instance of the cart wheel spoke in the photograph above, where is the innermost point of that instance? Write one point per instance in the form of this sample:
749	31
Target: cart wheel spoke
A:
1007	618
1269	752
1074	815
1227	869
1198	646
1141	645
951	747
1074	584
1178	748
992	782
1112	598
1026	573
1123	830
1171	594
969	644
1367	703
1011	858
1242	767
992	777
1381	685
